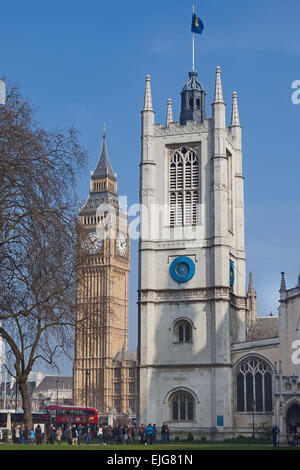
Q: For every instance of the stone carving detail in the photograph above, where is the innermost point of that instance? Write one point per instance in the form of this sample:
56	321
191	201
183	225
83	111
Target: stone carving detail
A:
191	294
219	187
148	192
191	127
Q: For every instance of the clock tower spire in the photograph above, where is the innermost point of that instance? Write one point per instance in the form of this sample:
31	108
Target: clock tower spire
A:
102	296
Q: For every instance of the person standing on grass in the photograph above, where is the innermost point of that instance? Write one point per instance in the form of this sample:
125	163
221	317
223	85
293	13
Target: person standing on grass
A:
163	433
59	435
141	433
31	436
154	434
79	433
17	434
70	434
74	435
149	434
38	434
275	433
88	435
129	434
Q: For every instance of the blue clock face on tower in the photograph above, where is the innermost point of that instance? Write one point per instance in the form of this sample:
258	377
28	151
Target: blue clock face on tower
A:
182	269
231	273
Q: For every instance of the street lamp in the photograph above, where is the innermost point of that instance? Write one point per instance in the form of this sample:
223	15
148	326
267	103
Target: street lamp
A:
87	373
253	411
57	382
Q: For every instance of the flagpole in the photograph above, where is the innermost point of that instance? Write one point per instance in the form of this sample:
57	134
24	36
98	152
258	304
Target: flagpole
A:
193	64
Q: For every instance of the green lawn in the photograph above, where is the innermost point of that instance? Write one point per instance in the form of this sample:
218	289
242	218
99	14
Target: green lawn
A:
168	447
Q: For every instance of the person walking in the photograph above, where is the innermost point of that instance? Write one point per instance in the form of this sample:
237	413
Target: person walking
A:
100	434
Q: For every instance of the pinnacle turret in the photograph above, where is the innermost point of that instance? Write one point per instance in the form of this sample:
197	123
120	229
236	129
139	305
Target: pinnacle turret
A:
169	117
148	96
251	290
218	97
282	283
235	120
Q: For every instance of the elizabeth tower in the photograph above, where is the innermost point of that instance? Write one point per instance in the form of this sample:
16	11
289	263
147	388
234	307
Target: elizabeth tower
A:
102	289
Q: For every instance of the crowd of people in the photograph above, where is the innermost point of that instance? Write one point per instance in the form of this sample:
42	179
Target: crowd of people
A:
84	434
27	435
293	435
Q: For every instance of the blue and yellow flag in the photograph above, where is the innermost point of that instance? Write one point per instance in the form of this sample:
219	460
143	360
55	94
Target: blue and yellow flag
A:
197	25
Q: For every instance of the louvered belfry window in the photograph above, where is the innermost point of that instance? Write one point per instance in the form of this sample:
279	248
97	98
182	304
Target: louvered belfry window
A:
183	187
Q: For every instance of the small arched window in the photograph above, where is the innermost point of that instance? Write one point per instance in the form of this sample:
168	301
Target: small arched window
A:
191	103
198	103
183	332
182	406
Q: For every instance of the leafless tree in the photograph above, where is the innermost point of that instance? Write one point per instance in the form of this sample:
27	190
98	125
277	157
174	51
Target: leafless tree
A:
38	171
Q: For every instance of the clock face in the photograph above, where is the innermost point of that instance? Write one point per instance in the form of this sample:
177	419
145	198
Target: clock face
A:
182	269
122	244
92	243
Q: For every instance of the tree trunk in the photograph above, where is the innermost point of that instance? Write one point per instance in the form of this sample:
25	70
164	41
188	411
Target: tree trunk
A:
26	404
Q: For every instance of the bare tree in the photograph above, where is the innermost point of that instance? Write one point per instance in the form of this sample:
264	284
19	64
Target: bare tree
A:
38	172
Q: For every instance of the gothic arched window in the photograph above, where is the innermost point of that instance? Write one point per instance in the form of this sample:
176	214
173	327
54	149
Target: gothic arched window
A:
183	187
183	331
254	386
182	406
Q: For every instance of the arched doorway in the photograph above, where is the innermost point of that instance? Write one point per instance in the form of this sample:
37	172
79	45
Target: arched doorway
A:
293	417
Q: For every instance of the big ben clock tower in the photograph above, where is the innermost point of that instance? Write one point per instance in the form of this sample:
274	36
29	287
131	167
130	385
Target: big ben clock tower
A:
101	293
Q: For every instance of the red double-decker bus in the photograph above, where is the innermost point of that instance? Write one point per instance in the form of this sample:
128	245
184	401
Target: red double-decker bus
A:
67	414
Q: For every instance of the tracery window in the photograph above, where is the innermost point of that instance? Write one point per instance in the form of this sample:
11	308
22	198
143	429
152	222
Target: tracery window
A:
183	187
254	386
182	406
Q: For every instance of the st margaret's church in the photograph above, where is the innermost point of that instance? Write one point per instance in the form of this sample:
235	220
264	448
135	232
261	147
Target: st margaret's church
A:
206	362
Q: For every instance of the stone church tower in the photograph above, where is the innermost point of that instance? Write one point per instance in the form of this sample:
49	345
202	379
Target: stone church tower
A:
192	298
102	364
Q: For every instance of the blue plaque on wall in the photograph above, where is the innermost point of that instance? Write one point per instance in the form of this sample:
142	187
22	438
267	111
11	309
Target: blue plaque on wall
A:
220	420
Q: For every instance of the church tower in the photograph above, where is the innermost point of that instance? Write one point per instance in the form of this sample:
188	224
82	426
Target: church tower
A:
192	299
102	292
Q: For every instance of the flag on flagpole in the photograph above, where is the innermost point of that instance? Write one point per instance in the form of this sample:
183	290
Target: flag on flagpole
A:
197	24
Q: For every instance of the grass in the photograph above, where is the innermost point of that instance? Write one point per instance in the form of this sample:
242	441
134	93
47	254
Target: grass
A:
138	447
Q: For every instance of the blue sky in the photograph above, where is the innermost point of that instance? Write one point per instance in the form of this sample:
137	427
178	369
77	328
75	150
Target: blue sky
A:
84	63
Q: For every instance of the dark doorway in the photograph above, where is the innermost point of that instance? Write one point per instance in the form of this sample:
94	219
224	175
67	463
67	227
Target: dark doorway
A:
293	418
